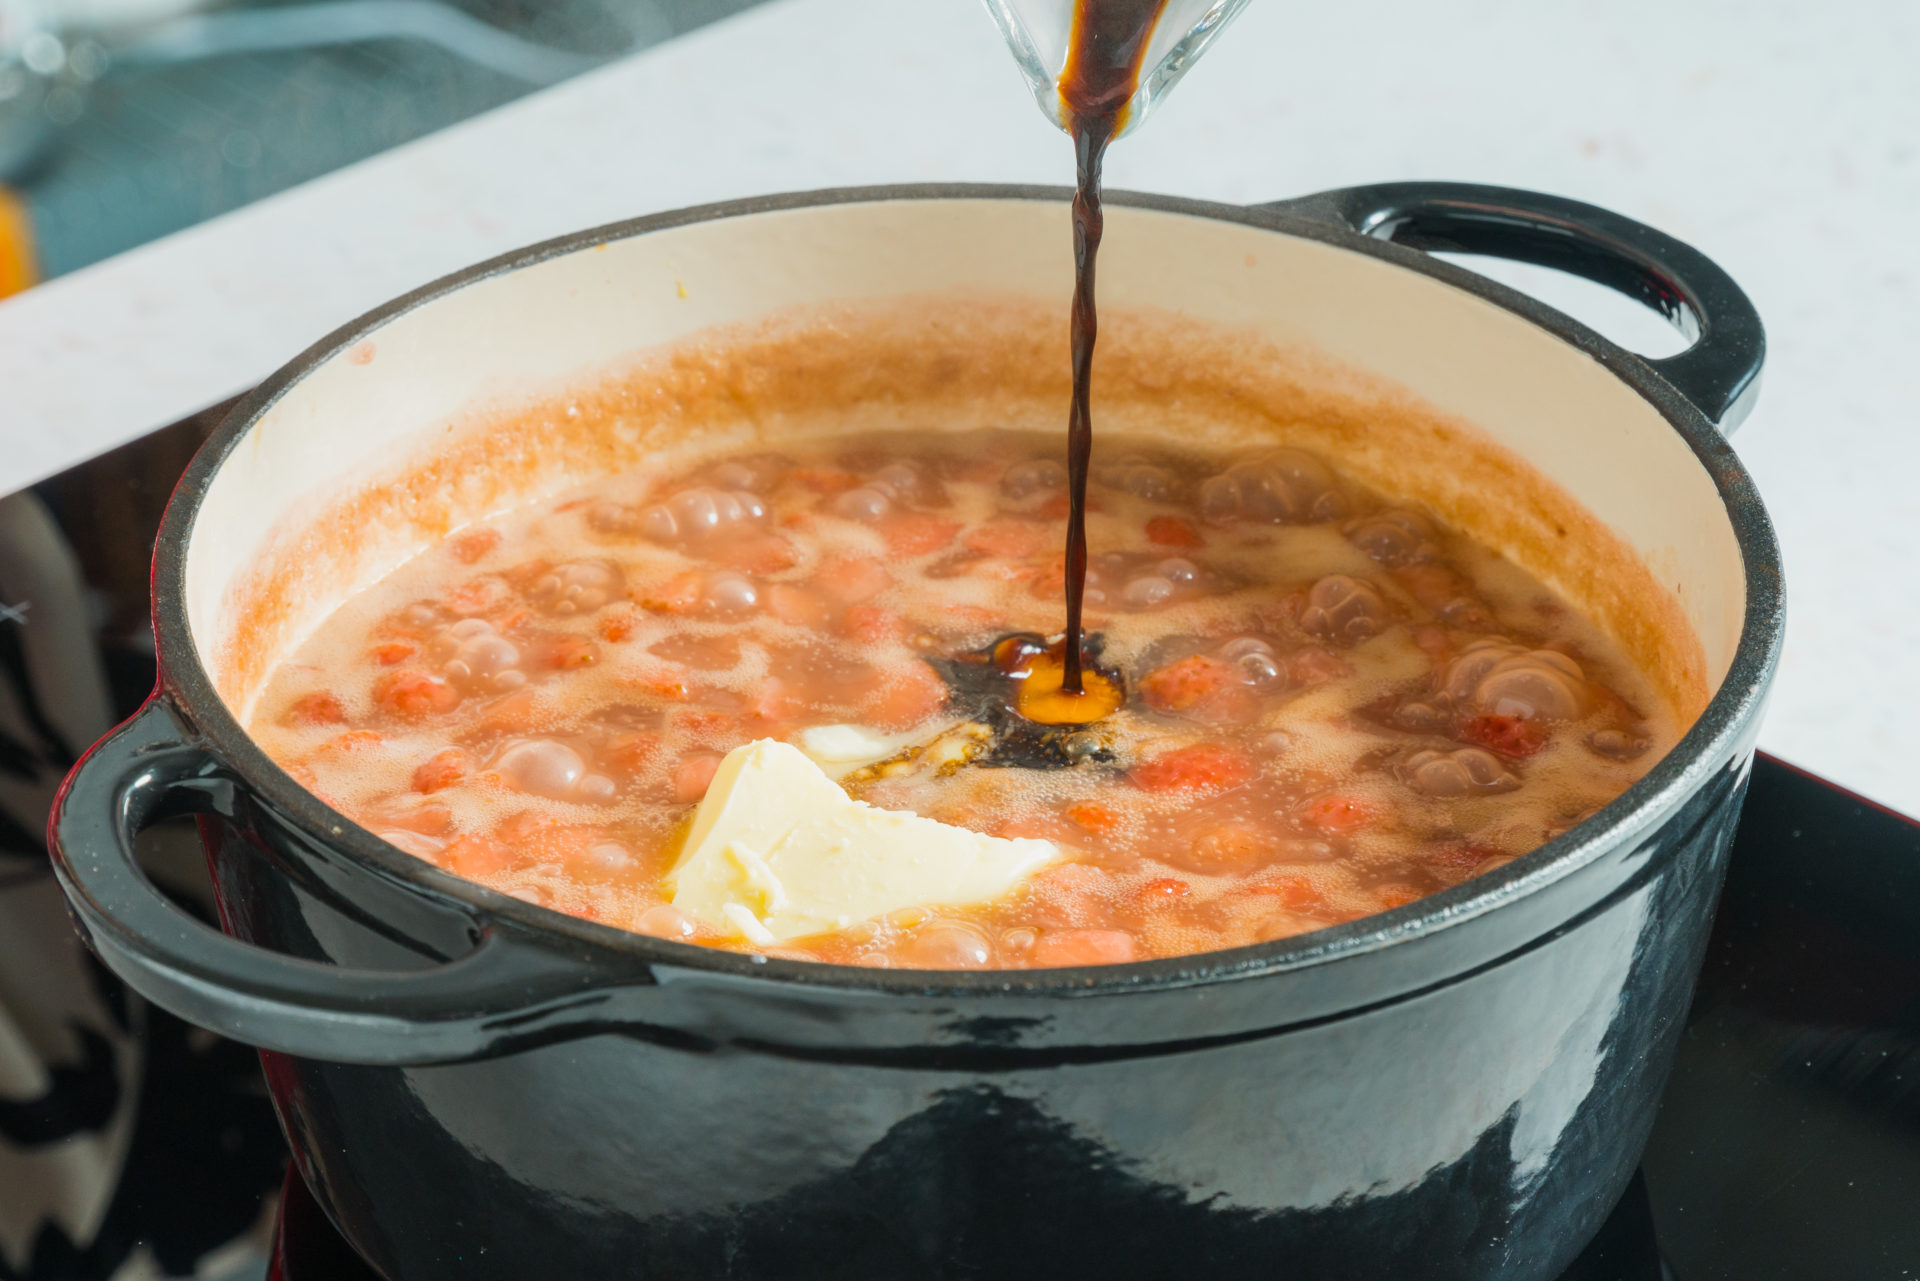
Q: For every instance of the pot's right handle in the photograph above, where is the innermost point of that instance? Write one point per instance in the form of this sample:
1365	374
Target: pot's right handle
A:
505	992
1719	373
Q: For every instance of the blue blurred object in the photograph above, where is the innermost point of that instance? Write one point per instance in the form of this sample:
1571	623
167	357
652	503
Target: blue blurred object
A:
137	118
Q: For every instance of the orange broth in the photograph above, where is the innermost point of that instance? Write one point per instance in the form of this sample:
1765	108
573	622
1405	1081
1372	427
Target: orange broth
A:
1330	705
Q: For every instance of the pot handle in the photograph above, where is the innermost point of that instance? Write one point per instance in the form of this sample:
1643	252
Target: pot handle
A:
506	992
1719	373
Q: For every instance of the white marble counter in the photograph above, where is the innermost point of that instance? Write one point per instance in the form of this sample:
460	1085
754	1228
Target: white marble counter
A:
1781	139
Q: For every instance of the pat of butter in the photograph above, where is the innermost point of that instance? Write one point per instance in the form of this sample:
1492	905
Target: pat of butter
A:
841	749
778	851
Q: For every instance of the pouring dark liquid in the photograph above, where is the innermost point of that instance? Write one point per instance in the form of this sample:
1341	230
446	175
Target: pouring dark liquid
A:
1105	49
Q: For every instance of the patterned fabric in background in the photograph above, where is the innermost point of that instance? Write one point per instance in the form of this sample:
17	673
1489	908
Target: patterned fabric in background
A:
132	1146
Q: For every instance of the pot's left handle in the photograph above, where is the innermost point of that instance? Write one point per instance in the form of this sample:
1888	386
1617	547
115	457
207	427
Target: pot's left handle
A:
504	993
1719	373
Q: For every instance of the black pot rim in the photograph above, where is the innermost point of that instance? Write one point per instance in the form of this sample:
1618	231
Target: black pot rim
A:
1714	739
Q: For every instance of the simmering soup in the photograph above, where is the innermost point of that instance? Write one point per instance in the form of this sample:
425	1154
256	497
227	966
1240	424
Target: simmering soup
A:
1313	704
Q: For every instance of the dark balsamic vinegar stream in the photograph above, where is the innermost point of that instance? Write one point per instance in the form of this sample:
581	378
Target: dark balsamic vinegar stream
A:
1105	49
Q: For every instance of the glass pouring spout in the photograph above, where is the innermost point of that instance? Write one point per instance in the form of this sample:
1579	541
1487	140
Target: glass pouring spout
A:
1041	33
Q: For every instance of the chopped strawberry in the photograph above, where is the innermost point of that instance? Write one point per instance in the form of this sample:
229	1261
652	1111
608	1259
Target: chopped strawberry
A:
1204	767
1094	816
566	652
526	827
1392	896
852	579
1225	850
354	740
1338	812
1179	685
871	623
799	606
1508	736
514	714
441	770
414	694
1296	893
678	595
430	818
669	686
618	626
1083	947
390	652
1434	642
1070	894
476	856
1317	667
1162	890
1057	507
482	595
631	753
1173	531
1432	584
770	702
910	534
471	546
694	776
317	708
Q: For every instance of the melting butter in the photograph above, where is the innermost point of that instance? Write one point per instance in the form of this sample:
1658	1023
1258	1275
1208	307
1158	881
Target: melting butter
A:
778	851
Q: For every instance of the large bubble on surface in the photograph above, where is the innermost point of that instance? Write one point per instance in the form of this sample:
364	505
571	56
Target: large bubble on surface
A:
576	587
1138	475
1285	487
553	770
475	657
701	512
1466	771
1344	610
1511	680
1141	581
868	503
728	592
1393	537
946	945
1034	477
891	486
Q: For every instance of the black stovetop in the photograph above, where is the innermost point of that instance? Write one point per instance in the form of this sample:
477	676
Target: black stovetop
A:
1788	1144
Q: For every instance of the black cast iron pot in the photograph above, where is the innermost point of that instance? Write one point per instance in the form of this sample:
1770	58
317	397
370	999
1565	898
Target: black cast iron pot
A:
477	1087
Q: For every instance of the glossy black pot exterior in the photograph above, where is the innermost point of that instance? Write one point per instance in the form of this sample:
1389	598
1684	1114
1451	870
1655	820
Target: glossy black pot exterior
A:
477	1088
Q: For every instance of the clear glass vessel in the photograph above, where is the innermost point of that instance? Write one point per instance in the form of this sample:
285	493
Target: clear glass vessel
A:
1036	32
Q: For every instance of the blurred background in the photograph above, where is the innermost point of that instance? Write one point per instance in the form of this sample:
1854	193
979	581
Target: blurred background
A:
123	120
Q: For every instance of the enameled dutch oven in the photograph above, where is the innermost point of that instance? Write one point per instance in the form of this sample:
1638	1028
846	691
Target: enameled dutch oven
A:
478	1087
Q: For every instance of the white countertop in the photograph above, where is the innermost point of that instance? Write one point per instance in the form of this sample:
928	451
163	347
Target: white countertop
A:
1782	139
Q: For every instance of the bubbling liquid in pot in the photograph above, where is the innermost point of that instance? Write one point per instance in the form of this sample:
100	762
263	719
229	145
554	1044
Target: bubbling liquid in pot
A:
1323	705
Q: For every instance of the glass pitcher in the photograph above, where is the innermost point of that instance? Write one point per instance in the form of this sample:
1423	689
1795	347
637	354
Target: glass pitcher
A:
1036	31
